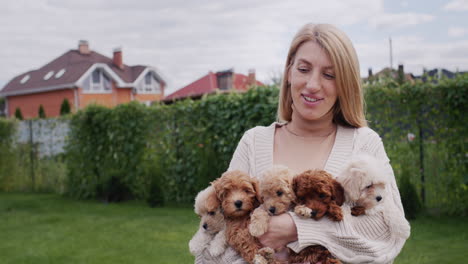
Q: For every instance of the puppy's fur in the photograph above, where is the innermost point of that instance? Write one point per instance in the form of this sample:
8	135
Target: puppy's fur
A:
317	195
210	240
276	195
366	192
239	196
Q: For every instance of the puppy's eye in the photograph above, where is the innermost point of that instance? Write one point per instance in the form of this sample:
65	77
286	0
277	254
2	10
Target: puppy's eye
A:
279	193
321	195
367	187
211	213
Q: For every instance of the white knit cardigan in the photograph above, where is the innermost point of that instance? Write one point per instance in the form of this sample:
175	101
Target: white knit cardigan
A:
363	239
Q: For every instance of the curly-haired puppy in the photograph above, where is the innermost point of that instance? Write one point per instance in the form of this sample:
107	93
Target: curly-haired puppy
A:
366	192
239	196
277	197
317	195
209	245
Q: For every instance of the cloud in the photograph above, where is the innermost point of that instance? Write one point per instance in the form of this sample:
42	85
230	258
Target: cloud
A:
395	21
187	39
415	53
457	5
457	32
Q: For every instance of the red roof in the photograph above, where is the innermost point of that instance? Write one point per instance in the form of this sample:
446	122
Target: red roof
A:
208	84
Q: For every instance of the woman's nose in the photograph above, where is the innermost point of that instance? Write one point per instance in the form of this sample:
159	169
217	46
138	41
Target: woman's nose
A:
313	82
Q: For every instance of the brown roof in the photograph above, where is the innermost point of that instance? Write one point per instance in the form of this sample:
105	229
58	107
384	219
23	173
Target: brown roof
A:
75	65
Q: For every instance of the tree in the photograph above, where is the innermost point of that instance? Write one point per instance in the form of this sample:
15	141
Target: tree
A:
18	113
65	107
41	112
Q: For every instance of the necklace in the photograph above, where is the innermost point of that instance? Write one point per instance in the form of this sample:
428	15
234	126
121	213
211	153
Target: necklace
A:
319	137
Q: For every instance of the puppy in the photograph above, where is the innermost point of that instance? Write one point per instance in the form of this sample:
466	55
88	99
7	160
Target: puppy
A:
366	192
209	245
239	196
277	197
317	195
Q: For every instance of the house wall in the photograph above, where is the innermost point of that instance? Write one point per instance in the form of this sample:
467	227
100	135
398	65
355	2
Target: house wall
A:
29	103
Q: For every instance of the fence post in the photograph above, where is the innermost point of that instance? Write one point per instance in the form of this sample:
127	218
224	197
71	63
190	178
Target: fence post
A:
421	160
31	154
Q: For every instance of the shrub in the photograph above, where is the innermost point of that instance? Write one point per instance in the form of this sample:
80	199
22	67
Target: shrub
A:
41	112
18	114
409	197
65	107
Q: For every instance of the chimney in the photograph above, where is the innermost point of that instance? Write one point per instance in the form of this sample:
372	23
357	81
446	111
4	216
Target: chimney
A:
251	79
83	47
118	61
370	72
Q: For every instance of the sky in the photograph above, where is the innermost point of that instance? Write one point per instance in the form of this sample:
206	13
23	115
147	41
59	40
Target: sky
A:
186	39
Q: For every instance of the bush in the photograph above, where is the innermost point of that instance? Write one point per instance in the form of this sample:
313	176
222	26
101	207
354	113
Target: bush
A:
41	112
409	197
18	114
65	107
7	157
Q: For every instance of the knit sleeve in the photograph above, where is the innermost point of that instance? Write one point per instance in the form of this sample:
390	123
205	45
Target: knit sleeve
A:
376	238
241	157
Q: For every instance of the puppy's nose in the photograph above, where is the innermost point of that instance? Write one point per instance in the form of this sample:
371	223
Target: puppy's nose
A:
272	209
238	203
378	198
313	213
205	226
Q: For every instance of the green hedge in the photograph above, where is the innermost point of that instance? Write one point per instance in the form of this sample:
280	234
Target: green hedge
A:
169	152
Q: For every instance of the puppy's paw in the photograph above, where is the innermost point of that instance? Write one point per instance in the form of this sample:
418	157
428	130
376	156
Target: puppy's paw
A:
216	249
358	210
267	253
259	222
258	259
303	211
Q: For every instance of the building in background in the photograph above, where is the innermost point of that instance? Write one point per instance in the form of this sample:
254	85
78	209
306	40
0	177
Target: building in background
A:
212	82
83	77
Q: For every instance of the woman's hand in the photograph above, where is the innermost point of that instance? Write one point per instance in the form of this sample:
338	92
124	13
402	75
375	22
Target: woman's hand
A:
281	231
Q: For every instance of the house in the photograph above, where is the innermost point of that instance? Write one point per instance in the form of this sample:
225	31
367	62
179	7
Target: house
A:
438	73
389	73
83	77
220	81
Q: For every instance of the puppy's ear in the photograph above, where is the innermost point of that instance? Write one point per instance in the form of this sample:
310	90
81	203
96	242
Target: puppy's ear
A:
352	183
338	193
212	202
219	188
256	187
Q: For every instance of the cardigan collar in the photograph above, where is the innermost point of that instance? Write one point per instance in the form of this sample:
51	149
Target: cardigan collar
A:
341	150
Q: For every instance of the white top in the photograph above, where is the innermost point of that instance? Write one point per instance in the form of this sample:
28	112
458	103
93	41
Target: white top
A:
363	239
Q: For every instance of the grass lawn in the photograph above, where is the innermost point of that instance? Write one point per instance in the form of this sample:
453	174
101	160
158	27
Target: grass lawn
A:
47	228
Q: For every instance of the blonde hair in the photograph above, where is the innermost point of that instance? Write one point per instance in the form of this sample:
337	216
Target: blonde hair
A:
349	107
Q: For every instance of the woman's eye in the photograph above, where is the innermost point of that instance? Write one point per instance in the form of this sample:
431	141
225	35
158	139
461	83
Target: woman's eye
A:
329	76
211	213
303	70
279	193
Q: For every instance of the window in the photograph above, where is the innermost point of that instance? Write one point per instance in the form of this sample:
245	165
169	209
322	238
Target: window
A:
149	84
98	82
48	75
25	79
60	73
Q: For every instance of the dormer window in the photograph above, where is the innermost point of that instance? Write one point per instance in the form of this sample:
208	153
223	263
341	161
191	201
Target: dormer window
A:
48	75
149	84
25	79
60	73
98	82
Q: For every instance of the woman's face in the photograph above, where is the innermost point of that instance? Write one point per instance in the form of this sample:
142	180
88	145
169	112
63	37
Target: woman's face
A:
313	85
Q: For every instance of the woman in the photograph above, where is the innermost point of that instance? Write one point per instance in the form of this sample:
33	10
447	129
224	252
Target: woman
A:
322	125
